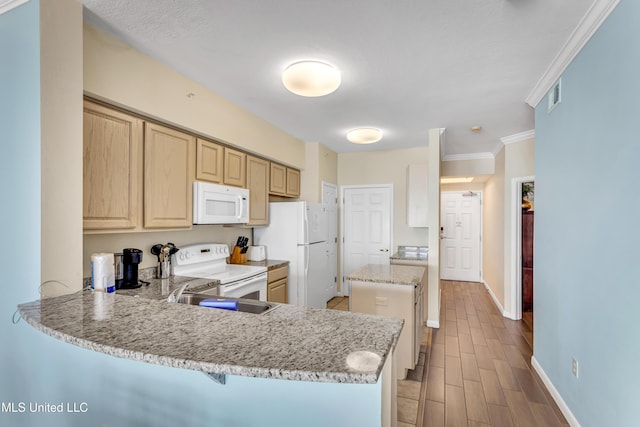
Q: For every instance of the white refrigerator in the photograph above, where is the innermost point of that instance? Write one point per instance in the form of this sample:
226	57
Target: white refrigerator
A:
297	232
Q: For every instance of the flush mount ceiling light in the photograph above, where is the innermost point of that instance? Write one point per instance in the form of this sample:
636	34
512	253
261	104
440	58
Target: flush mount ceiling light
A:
364	135
311	78
456	180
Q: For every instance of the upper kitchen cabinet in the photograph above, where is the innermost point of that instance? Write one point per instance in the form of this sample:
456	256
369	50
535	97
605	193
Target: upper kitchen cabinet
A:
284	181
235	163
111	155
169	159
258	185
209	161
293	182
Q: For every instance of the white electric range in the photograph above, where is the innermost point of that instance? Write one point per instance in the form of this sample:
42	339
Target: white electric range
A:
209	261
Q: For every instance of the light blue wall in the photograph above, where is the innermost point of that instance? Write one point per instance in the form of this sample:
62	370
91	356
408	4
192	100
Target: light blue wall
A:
587	229
35	368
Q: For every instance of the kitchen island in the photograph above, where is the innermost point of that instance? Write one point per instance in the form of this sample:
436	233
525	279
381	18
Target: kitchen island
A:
301	345
394	291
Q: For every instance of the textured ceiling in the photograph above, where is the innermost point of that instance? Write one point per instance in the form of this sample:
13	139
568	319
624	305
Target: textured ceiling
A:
407	65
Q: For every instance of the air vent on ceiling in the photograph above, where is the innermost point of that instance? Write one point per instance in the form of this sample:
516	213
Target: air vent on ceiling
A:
554	96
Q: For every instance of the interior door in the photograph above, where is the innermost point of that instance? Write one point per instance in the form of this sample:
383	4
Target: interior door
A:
367	228
460	236
330	203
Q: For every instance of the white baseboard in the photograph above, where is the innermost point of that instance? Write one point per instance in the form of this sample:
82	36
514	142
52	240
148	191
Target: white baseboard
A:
571	419
433	324
493	297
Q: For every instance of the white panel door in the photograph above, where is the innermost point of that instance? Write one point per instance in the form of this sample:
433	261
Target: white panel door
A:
367	228
330	203
460	236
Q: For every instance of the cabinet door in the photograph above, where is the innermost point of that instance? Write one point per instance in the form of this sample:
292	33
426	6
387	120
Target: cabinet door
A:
277	291
293	182
278	182
209	161
235	167
258	185
111	154
169	159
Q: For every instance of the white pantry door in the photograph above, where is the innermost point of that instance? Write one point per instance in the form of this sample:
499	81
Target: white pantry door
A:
460	236
330	203
367	228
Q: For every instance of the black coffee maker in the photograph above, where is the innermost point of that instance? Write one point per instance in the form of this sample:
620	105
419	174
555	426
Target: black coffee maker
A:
130	259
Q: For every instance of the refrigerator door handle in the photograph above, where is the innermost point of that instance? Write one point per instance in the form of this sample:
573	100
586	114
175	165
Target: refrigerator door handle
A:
305	225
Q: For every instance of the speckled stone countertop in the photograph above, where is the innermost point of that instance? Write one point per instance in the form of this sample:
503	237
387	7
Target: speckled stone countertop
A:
411	253
290	342
271	264
384	273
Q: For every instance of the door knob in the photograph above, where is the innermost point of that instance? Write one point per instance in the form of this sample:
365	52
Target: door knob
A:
384	250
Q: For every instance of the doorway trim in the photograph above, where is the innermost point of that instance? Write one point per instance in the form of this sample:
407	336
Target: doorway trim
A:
324	185
341	273
515	261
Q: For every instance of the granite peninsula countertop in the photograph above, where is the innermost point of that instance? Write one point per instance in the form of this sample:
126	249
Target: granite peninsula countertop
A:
290	342
271	264
389	273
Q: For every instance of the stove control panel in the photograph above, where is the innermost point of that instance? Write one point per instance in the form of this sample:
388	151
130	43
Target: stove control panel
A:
201	252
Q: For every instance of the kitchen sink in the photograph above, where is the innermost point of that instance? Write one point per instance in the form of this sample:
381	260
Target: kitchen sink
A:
244	305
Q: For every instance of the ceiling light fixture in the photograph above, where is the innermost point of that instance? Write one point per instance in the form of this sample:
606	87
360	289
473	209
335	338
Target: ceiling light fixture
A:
456	180
364	135
311	78
476	128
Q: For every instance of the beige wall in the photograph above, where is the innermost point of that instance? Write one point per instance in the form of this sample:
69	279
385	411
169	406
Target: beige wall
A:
493	230
387	167
321	165
61	145
519	163
94	243
119	74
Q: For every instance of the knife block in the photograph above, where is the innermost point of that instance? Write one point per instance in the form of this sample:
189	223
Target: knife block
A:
237	257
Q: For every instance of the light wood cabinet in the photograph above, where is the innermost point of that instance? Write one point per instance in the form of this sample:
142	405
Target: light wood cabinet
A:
278	181
112	144
277	284
293	182
209	161
284	181
169	160
235	163
258	185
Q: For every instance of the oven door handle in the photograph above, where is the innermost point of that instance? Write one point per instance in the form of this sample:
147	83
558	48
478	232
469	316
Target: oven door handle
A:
254	279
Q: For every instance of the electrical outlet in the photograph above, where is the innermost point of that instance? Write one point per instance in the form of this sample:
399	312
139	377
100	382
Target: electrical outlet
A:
382	301
574	367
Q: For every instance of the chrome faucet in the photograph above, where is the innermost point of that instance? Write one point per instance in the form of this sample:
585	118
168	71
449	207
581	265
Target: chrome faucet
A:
175	295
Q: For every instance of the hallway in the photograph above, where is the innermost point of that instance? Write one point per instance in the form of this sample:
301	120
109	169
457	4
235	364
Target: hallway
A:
479	372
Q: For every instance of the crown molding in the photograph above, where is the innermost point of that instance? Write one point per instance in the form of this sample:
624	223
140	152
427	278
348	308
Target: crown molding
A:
595	16
7	5
468	156
499	146
519	137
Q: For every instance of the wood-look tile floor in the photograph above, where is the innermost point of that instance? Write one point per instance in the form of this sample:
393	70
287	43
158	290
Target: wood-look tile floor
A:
479	372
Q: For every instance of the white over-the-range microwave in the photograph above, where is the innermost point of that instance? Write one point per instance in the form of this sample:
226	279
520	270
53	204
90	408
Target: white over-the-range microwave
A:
219	204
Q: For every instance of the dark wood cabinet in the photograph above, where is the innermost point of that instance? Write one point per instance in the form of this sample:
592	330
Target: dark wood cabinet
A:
527	261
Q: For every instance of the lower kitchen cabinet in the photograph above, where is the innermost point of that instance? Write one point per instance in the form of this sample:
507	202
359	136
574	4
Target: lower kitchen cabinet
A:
393	300
277	284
